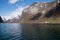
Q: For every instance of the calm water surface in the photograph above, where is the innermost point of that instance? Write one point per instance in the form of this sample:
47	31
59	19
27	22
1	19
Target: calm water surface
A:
15	31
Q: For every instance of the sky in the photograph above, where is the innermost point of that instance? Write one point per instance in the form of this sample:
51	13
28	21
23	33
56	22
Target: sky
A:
12	8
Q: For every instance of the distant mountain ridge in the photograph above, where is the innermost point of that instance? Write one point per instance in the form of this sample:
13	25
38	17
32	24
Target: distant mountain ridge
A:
13	20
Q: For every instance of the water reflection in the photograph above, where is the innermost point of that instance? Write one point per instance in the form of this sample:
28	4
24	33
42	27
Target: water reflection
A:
10	31
29	31
41	31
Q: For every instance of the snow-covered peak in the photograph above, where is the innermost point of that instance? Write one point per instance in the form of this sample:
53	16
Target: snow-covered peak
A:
14	14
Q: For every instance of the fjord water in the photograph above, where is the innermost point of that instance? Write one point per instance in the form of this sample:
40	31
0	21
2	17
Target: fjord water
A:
15	31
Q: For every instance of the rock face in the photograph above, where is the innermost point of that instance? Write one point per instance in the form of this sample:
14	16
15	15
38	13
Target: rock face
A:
1	21
39	12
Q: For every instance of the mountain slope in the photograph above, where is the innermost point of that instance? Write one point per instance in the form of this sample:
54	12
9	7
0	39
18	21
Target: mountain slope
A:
41	13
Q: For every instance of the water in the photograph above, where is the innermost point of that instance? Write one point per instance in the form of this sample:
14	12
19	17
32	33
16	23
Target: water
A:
15	31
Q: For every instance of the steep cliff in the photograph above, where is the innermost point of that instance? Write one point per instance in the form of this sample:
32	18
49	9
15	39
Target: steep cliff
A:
1	21
41	13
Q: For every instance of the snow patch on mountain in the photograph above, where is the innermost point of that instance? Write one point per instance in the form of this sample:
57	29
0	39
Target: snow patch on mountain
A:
14	14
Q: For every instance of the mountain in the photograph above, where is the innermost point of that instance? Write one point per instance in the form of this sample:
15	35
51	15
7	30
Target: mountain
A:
13	20
41	12
1	21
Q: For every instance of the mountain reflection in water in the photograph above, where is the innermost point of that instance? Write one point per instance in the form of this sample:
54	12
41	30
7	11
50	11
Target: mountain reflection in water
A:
15	31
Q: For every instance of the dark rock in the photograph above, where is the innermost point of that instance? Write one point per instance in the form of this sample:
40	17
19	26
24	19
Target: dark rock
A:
54	12
50	13
58	9
36	16
1	21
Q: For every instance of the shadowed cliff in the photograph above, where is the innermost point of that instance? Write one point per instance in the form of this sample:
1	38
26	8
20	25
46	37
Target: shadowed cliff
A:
1	21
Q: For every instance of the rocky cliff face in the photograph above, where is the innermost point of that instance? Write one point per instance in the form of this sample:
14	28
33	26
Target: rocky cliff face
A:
1	21
40	12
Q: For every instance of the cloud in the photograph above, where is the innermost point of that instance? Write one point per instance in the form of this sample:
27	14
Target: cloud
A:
15	13
13	1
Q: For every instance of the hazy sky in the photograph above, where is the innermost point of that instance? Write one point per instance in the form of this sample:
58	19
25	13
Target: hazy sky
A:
14	7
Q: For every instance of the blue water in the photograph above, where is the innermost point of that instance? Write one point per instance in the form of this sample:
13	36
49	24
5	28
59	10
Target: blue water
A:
15	31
